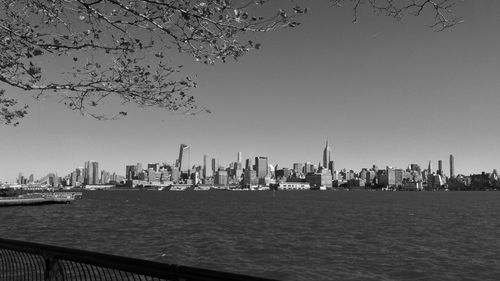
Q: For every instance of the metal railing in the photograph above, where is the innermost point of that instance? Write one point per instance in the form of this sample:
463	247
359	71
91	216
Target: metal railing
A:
32	262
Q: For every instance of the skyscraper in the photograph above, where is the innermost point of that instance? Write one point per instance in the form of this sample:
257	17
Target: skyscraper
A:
452	166
261	167
327	155
239	157
207	167
95	172
249	164
440	167
214	166
184	155
91	172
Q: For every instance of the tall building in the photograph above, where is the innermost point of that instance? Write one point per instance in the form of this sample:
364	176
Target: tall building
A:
95	173
298	167
327	155
440	167
239	157
88	172
184	155
261	167
207	167
130	172
249	164
452	166
154	166
214	166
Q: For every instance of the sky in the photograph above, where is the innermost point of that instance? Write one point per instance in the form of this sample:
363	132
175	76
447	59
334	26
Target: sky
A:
381	92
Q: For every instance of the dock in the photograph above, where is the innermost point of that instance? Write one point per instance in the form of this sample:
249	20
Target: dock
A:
40	199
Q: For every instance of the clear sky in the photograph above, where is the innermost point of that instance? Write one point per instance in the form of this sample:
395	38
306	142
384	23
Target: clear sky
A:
382	92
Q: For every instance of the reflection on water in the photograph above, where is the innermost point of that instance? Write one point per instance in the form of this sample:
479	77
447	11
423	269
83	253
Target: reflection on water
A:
302	235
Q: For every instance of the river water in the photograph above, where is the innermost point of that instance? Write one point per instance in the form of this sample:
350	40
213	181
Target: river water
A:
295	235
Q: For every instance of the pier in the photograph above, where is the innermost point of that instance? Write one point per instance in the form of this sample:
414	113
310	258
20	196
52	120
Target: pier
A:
40	199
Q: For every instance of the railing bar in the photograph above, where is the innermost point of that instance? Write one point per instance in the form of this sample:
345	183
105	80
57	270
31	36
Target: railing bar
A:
32	272
109	273
114	273
78	267
102	272
66	269
11	269
121	276
40	266
27	267
97	275
3	265
87	270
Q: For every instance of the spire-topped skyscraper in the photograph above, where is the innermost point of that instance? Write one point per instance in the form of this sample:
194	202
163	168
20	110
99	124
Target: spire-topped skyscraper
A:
327	155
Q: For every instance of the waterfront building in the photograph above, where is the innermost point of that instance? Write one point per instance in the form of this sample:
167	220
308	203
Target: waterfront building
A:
184	158
248	164
430	176
331	166
91	172
214	166
452	166
323	178
130	172
31	179
298	167
294	186
221	178
207	169
175	175
138	167
250	178
327	155
95	172
154	166
308	168
261	166
283	173
105	177
398	177
415	167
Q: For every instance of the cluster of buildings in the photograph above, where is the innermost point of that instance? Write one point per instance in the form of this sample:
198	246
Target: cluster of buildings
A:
256	172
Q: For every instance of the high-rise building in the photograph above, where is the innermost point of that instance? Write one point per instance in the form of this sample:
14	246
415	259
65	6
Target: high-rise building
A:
207	167
239	157
248	164
298	167
308	168
130	172
138	167
214	166
221	178
440	167
154	166
327	155
250	178
452	166
88	175
184	158
331	166
261	166
95	173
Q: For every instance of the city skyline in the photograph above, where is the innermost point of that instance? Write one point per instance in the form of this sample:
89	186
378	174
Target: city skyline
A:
382	92
91	170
